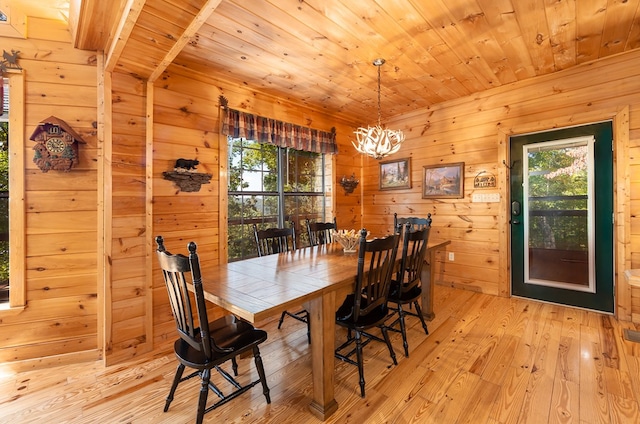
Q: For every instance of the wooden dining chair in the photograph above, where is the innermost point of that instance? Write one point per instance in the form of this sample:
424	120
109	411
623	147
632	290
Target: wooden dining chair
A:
320	232
275	240
206	347
406	287
366	307
278	240
417	223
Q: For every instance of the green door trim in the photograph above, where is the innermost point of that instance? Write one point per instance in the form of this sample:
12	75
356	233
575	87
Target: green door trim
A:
603	299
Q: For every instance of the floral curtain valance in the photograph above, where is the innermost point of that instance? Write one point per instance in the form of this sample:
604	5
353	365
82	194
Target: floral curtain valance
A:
239	124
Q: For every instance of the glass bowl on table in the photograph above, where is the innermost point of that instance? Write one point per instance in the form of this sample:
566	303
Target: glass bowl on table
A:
348	239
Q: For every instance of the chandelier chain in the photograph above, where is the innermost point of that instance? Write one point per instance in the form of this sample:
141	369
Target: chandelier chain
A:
379	109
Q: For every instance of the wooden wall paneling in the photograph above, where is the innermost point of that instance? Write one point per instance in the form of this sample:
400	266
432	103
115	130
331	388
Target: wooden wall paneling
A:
58	286
504	215
184	126
475	130
127	277
149	241
104	136
622	211
60	222
17	187
184	81
54	94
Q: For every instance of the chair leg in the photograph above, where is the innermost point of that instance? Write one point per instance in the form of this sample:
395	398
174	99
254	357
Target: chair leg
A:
385	333
281	319
260	367
204	392
403	330
309	329
419	312
234	366
360	361
174	385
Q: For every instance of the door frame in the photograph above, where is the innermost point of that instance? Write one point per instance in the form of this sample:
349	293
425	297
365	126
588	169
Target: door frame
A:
621	195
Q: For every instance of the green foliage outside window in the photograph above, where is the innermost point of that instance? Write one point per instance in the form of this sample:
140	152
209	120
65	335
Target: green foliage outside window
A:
558	190
4	203
254	191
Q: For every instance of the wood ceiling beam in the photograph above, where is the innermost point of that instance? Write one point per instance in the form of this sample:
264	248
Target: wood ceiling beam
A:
204	13
130	13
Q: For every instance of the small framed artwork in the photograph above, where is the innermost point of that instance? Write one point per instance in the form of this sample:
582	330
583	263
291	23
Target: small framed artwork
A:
443	181
395	174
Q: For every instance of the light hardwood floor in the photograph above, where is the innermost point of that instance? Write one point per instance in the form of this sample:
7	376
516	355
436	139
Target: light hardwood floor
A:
487	360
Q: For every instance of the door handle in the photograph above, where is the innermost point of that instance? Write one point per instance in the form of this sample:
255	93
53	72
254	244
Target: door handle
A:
515	211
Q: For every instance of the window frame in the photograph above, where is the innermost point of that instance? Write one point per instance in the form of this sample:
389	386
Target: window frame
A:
282	156
17	286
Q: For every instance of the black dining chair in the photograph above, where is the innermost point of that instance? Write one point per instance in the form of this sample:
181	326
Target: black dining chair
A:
417	223
406	287
275	240
206	347
366	307
320	232
317	233
279	240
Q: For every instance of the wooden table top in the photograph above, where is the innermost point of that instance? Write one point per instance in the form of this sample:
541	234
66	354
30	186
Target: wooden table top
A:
257	288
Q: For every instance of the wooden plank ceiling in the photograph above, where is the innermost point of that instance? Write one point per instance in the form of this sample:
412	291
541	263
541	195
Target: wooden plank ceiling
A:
320	52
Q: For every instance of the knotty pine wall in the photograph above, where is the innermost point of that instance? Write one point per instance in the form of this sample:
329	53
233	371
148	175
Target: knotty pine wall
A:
59	323
128	301
186	124
475	130
149	126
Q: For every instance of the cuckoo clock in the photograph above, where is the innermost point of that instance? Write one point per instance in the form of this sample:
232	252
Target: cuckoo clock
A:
56	145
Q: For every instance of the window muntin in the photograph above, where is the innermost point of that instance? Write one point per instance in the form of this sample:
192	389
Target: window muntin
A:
271	186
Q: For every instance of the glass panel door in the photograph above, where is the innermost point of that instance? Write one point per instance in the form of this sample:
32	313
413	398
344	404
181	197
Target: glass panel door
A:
562	216
558	218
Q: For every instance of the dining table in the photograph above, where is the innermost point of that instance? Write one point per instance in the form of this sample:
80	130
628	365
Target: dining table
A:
316	277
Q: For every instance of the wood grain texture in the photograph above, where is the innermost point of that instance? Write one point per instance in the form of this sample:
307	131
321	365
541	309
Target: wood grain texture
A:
540	363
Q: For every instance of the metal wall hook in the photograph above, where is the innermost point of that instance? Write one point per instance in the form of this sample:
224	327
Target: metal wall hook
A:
504	162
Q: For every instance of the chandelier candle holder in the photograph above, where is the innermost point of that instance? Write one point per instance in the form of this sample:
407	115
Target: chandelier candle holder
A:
378	141
349	183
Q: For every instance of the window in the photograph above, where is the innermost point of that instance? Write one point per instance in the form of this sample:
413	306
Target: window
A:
272	186
4	193
12	208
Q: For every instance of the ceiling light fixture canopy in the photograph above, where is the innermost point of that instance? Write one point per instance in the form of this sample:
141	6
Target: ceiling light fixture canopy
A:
378	141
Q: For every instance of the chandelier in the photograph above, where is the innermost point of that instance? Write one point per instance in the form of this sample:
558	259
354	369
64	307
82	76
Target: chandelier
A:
377	141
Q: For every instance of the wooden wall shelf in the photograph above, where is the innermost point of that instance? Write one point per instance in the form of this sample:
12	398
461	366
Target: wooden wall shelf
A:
187	181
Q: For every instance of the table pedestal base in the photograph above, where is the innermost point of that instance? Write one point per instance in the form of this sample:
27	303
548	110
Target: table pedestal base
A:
325	412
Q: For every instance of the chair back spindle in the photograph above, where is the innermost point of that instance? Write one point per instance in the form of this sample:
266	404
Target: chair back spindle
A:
373	282
416	223
320	232
275	240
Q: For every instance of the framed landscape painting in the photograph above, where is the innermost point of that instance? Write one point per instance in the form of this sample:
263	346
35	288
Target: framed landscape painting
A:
395	174
443	181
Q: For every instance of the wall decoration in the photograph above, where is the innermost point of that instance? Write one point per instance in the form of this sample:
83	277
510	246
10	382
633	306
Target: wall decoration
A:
9	61
395	174
443	181
185	175
349	183
484	179
56	145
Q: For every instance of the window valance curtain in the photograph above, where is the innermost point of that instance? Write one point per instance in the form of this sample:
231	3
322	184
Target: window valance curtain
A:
239	124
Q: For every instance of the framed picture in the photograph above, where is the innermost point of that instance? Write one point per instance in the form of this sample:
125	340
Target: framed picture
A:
395	174
443	181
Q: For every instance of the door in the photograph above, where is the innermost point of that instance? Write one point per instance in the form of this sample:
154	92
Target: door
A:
562	216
